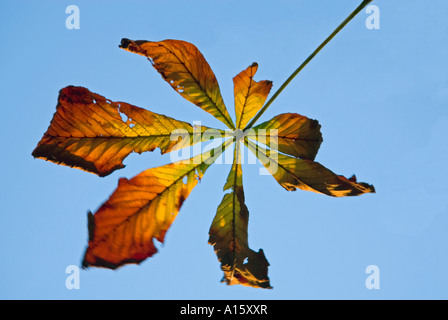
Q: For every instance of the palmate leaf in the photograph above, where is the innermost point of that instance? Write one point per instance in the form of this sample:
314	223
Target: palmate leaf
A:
249	95
92	133
142	209
228	235
292	173
184	67
89	132
295	135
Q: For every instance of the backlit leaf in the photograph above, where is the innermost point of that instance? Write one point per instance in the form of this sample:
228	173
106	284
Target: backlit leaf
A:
228	235
250	95
292	173
184	67
94	134
142	209
295	135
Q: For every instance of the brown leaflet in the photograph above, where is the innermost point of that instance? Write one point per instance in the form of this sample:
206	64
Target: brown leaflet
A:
295	135
292	173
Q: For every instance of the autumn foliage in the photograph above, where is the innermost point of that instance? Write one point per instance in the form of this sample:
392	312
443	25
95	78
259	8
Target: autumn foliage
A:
94	134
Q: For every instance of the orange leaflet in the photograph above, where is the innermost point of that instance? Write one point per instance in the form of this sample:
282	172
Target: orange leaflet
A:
249	95
140	210
184	67
89	132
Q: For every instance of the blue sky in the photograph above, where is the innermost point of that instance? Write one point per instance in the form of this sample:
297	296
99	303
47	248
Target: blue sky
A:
381	97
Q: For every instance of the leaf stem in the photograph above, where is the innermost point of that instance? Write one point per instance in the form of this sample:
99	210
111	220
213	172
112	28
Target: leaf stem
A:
296	72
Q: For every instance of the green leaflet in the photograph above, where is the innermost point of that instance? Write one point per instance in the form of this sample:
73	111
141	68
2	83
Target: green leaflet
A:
292	173
228	235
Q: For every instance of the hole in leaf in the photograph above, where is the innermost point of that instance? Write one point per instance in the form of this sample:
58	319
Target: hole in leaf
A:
196	175
185	180
123	116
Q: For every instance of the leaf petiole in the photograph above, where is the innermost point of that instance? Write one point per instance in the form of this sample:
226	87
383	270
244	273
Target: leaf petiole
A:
296	72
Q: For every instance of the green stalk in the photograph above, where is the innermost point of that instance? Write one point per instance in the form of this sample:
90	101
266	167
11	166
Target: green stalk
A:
296	72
